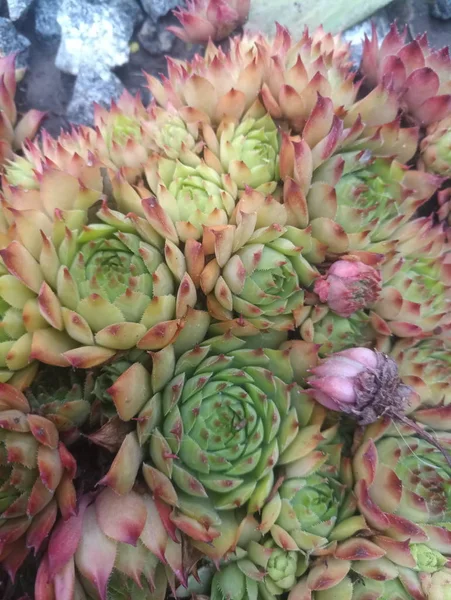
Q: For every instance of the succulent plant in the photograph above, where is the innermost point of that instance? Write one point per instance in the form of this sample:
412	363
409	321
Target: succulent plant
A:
355	564
206	20
94	287
62	398
332	333
436	585
419	74
436	148
427	559
142	131
71	152
272	552
122	122
234	443
231	582
377	196
390	573
187	198
261	266
264	571
416	279
36	479
176	253
355	200
123	138
375	568
424	365
312	511
444	210
117	544
402	485
315	508
288	74
170	134
16	365
13	132
211	445
196	191
118	385
248	150
282	567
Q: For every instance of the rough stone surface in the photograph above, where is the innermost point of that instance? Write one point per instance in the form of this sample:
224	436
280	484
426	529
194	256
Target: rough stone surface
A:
18	8
159	8
91	87
47	27
154	38
95	35
419	20
12	41
441	9
45	87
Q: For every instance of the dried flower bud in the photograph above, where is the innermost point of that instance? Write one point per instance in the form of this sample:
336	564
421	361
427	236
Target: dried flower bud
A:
349	286
360	382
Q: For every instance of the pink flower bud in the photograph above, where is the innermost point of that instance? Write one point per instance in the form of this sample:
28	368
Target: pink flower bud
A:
360	382
349	286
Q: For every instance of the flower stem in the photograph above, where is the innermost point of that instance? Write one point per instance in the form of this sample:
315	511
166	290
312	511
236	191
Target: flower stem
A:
425	435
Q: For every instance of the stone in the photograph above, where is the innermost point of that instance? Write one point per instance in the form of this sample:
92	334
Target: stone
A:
47	27
158	8
12	41
91	86
18	8
421	20
95	34
47	88
440	9
334	15
154	37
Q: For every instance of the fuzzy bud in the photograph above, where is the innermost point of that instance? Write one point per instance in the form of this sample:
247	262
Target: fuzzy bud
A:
360	382
282	568
349	286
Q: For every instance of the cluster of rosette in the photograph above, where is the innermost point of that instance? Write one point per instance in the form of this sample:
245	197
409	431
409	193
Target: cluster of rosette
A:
229	303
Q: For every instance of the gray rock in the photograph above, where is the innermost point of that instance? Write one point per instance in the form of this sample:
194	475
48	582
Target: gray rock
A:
90	87
18	8
95	34
154	37
12	41
159	8
47	27
441	9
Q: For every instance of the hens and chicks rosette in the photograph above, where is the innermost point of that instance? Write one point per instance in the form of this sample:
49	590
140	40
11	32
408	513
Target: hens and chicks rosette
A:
226	332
